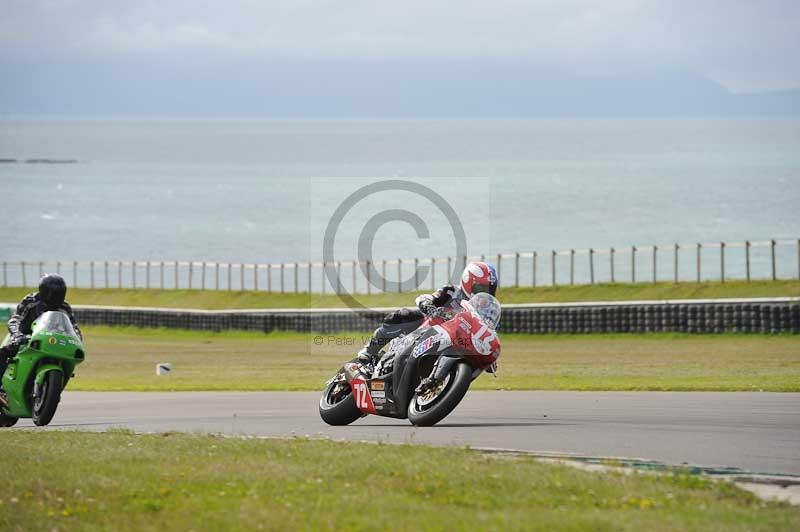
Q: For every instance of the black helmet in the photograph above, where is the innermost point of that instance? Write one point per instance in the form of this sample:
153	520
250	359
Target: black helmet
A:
53	290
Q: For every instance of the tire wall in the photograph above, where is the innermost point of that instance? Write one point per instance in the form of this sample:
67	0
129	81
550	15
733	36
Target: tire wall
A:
706	317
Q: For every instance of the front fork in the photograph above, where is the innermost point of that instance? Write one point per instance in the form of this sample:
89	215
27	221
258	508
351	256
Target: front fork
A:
441	368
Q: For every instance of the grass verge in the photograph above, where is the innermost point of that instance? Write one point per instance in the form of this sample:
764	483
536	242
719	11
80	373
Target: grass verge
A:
210	299
123	481
125	359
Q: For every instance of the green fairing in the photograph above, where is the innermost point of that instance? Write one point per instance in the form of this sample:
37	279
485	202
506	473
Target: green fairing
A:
54	346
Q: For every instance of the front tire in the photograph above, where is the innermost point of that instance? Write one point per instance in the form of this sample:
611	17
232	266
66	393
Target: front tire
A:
432	412
337	406
45	404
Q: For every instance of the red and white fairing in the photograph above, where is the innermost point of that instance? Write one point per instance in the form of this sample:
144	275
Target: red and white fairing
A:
471	337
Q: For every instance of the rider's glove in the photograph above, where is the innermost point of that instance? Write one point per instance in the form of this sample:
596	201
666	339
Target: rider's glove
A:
20	339
444	295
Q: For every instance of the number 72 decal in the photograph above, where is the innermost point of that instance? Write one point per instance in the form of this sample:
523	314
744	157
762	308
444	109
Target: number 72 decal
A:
362	396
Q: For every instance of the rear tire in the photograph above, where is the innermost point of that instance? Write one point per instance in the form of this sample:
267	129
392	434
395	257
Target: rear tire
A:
339	409
44	406
7	421
440	408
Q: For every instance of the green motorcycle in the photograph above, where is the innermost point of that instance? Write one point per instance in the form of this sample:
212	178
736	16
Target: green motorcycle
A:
35	377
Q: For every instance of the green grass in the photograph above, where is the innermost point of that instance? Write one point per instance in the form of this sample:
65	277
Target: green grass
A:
122	481
209	299
125	359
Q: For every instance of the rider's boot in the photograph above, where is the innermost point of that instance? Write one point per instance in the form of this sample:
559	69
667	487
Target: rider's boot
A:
372	350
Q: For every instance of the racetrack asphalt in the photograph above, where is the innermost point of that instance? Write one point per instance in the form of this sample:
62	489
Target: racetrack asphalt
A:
759	432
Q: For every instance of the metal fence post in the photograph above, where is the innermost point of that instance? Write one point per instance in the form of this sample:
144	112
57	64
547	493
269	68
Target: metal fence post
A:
553	268
416	273
699	247
722	261
58	267
147	275
161	274
499	267
571	267
310	267
230	287
119	274
41	269
203	275
177	277
747	259
296	273
533	270
74	273
399	275
633	264
105	273
611	262
516	269
269	277
216	276
677	247
191	273
255	277
772	256
24	280
591	266
133	273
91	275
655	264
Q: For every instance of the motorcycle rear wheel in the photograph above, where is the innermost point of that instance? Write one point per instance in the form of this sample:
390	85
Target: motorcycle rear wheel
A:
44	406
433	411
338	408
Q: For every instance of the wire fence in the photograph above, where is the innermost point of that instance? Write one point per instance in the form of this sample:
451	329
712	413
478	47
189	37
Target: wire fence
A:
697	262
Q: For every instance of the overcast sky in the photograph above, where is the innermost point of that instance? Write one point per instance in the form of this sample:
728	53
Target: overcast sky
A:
747	46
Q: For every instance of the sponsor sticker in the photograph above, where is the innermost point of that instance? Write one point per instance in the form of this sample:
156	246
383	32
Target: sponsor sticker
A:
424	346
378	398
378	385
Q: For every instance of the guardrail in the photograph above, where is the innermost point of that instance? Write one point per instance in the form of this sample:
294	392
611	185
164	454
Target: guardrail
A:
766	259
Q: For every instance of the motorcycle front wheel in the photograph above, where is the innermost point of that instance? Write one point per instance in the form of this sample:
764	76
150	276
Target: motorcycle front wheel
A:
45	404
337	405
436	404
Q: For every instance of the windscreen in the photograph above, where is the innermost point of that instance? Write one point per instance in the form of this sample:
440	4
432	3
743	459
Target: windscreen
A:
487	307
55	322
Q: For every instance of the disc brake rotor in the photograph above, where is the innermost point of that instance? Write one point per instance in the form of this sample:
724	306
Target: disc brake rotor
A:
433	393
